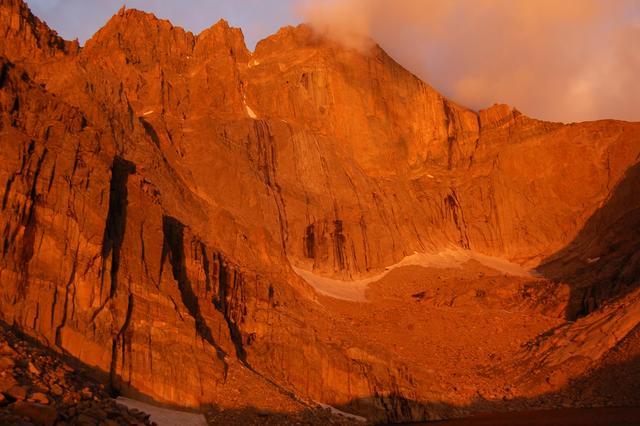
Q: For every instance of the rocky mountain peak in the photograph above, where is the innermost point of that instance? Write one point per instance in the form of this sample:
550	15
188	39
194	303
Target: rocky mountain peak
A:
141	38
286	38
26	37
221	35
497	115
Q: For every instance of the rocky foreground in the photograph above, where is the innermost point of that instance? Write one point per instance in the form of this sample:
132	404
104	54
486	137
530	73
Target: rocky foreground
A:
44	388
38	388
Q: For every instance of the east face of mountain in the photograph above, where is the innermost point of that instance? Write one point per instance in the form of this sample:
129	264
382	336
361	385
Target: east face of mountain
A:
160	187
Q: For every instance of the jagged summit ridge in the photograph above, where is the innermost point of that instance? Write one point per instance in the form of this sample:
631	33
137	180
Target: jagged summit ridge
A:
26	37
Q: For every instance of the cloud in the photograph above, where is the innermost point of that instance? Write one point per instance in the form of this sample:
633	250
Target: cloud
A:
565	61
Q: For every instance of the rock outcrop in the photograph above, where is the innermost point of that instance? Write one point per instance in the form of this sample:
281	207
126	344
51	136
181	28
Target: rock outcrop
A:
160	185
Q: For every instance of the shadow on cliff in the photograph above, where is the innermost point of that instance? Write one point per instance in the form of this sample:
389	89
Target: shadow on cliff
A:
614	386
603	260
606	396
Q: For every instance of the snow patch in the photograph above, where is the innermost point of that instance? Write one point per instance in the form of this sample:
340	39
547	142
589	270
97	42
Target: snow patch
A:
593	259
354	290
344	290
250	112
165	416
147	113
337	412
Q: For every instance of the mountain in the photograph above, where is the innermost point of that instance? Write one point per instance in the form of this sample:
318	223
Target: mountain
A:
205	225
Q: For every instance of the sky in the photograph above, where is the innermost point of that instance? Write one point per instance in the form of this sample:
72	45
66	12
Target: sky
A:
569	60
257	18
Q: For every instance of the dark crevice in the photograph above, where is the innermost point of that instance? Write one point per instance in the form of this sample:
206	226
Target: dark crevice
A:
54	303
7	190
206	266
229	279
114	345
28	249
16	105
271	292
173	248
143	256
30	149
476	143
33	195
76	161
451	201
448	114
4	72
52	177
309	242
6	236
150	131
63	322
36	317
450	142
338	245
116	217
473	154
365	241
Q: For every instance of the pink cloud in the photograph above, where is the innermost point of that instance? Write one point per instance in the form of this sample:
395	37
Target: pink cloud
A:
566	61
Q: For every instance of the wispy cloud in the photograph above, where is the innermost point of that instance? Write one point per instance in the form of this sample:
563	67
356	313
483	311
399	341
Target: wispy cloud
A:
568	61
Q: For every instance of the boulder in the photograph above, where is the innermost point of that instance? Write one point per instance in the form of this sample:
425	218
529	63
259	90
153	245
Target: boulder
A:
43	415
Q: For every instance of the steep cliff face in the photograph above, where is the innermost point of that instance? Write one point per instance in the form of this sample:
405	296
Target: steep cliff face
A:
160	185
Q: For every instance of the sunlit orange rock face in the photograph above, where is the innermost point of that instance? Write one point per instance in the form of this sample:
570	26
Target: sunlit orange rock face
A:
170	201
